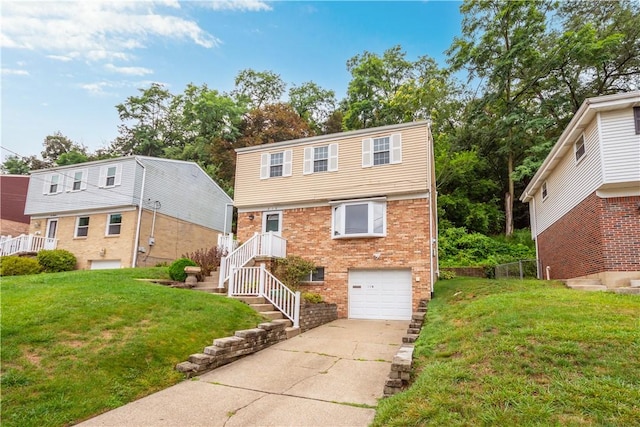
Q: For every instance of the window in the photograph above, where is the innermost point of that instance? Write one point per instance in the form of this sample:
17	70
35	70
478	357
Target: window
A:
321	159
636	117
579	148
53	187
544	191
77	180
110	176
316	275
114	222
382	150
275	164
52	184
366	218
82	226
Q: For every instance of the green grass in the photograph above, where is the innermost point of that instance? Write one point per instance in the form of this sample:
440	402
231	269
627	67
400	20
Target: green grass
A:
532	353
80	343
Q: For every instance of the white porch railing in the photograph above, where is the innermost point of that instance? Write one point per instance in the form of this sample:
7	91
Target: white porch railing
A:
25	243
266	244
257	281
227	243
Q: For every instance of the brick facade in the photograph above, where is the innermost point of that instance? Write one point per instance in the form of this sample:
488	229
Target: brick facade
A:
596	236
308	235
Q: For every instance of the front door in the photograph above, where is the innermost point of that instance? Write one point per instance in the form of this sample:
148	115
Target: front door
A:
272	221
52	228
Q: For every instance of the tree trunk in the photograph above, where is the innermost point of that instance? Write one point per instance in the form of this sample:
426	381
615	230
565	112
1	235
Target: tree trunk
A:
508	201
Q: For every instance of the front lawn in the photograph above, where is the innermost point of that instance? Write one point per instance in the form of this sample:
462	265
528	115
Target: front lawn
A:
80	343
511	353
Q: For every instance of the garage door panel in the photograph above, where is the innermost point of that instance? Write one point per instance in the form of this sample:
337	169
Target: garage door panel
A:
105	264
380	294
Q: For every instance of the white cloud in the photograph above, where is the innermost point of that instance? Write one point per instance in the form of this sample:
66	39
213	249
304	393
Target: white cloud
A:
14	72
63	58
98	88
131	71
239	5
95	30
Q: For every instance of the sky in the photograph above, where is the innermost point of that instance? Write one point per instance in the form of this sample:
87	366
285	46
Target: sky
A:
66	65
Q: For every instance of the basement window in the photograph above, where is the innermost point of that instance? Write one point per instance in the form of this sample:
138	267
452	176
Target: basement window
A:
316	275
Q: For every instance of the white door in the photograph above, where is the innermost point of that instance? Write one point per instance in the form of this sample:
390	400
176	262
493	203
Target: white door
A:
272	221
52	228
105	264
380	294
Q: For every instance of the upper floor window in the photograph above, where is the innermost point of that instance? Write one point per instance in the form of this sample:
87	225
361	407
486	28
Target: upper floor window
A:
579	149
360	218
110	175
544	190
275	164
52	184
382	151
82	226
77	180
636	118
321	159
114	223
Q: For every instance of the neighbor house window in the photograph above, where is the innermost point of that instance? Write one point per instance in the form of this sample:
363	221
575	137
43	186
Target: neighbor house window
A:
114	222
636	117
316	275
110	175
544	190
360	218
275	164
580	150
321	159
382	150
82	226
77	180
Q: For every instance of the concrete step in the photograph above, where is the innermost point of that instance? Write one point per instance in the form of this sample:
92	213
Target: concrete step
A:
590	285
292	332
410	338
273	315
261	308
251	300
589	288
629	290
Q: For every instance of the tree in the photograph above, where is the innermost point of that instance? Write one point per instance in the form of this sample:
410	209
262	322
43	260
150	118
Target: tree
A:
57	145
272	123
71	158
16	165
314	104
258	88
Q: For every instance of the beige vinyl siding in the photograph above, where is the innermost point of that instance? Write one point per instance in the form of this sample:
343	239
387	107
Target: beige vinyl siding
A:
351	180
620	147
570	183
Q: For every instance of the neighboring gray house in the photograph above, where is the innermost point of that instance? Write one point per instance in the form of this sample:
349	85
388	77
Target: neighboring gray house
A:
127	212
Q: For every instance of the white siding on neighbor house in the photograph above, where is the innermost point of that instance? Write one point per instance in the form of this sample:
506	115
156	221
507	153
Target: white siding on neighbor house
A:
93	197
620	147
570	183
186	192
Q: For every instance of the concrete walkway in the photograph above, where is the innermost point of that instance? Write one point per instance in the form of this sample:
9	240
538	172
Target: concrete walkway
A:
332	375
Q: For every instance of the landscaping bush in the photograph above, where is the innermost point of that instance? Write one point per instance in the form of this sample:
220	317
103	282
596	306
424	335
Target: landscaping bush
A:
292	270
56	260
312	297
18	266
207	259
176	269
447	275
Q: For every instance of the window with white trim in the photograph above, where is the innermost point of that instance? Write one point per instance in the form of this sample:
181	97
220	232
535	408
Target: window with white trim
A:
359	218
53	184
323	158
544	191
110	176
316	275
82	226
636	119
114	223
580	149
77	180
382	150
275	164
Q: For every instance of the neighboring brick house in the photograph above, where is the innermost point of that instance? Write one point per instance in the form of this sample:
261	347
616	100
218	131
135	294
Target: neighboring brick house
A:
585	198
13	195
360	205
129	211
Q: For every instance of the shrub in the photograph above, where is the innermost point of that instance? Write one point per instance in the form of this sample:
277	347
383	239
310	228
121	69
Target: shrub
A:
56	260
447	275
176	269
312	297
292	270
18	266
207	259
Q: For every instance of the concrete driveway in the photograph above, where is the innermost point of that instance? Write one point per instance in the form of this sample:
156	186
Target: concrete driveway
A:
332	375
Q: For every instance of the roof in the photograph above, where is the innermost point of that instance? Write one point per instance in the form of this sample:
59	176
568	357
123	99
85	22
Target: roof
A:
585	114
333	136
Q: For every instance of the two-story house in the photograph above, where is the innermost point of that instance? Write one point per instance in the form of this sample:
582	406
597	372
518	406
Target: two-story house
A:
584	200
360	205
128	211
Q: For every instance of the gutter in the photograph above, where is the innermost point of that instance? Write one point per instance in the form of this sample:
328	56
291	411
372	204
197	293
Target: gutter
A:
134	258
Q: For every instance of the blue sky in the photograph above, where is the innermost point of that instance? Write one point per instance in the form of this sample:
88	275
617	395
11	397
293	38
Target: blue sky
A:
65	65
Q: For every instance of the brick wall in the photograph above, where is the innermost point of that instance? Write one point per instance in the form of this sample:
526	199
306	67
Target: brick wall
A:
597	235
308	234
314	315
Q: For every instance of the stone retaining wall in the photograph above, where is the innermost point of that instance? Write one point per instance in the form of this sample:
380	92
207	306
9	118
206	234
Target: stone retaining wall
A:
226	350
314	315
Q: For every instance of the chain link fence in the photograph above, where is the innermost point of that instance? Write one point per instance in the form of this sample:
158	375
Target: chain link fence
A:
523	269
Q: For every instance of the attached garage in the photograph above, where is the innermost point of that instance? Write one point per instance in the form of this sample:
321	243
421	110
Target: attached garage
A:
105	264
380	294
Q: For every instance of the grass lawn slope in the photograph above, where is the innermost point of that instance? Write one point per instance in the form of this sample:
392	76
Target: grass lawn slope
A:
80	343
511	353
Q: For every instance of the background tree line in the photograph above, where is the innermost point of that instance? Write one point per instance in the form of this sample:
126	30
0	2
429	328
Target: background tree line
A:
528	67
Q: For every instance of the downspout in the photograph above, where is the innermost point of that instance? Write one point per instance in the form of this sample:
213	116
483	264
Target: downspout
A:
134	259
534	232
433	204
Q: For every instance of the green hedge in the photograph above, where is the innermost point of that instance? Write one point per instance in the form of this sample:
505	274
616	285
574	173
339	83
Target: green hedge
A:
56	260
176	269
18	266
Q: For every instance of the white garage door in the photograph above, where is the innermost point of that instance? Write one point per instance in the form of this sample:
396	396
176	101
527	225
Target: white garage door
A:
105	264
380	294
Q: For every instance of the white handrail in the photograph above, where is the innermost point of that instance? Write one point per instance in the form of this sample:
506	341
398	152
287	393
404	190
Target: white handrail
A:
250	281
26	243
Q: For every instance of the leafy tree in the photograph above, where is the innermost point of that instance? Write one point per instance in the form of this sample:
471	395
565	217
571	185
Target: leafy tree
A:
72	158
15	165
57	145
258	88
314	104
272	123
